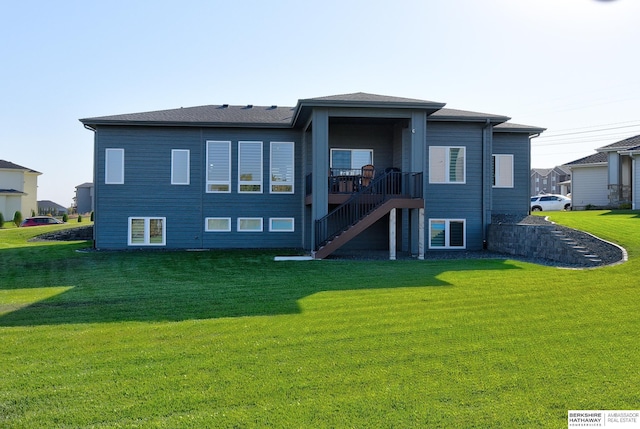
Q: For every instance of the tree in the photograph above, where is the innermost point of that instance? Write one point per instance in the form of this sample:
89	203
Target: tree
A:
17	218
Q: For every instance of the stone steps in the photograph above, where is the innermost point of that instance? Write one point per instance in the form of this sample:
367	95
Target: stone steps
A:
575	246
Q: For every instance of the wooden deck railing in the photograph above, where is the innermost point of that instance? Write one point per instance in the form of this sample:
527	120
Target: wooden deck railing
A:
388	185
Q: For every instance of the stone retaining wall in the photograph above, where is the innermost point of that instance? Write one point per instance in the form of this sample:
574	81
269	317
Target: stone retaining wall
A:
534	241
82	233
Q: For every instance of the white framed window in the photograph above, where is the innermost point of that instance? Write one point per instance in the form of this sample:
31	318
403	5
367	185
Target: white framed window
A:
249	224
250	167
114	166
147	231
180	167
447	164
217	224
503	171
447	234
281	224
282	168
218	166
350	161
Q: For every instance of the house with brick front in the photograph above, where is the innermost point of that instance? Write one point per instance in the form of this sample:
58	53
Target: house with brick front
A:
355	171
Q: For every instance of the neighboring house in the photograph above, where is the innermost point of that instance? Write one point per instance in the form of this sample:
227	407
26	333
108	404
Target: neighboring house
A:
555	180
610	177
84	198
588	182
18	190
359	170
623	174
46	207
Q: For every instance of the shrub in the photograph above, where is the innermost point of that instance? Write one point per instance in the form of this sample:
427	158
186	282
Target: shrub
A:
17	218
1	220
91	217
79	218
65	218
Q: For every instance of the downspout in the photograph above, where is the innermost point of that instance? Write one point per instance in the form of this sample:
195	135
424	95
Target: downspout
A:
484	188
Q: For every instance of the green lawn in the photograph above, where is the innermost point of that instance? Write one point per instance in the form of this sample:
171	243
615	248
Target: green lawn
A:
234	339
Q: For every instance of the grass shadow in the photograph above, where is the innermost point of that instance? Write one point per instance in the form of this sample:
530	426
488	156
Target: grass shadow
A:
636	213
103	287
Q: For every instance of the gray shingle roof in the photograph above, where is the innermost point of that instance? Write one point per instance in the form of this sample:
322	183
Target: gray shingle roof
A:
507	127
626	144
48	204
455	114
6	165
596	158
541	171
11	191
286	117
218	115
365	98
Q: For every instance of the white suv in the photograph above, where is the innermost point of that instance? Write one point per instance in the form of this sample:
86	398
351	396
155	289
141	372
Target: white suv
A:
550	202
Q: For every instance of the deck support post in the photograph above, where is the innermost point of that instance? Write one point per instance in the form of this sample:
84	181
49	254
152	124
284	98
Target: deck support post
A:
392	235
421	234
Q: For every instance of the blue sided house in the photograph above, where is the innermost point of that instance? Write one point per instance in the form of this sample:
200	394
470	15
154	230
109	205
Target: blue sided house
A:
355	171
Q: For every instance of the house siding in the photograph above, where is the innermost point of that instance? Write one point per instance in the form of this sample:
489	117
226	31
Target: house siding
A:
399	131
457	201
376	137
147	189
513	200
22	181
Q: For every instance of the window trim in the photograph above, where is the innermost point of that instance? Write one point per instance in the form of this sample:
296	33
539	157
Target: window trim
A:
293	224
147	230
497	171
261	175
240	219
206	224
173	166
218	182
120	180
447	232
447	161
273	183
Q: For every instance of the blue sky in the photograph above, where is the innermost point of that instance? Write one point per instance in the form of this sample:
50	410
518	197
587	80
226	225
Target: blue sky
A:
568	65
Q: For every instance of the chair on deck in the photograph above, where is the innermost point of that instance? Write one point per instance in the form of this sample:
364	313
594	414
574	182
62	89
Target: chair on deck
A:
367	175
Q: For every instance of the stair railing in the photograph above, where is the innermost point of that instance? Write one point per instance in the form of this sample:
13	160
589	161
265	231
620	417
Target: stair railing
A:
390	184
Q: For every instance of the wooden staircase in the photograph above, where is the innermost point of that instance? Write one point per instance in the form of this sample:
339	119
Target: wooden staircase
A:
354	230
386	192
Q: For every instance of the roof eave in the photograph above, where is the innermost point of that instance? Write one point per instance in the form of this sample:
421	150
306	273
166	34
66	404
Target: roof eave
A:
590	164
530	130
453	118
94	123
310	103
